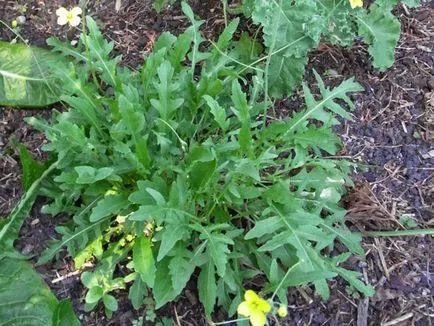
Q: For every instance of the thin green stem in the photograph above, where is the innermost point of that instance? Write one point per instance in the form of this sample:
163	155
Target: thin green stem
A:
225	9
230	321
401	233
284	279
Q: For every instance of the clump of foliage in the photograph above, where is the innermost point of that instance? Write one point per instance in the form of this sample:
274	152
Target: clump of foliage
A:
292	28
173	173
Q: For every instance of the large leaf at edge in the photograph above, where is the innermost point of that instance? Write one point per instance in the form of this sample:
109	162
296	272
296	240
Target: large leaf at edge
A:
27	300
25	77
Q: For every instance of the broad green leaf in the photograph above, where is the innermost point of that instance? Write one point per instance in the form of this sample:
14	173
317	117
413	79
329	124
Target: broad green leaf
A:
163	289
207	287
137	293
143	258
26	78
110	302
25	298
94	294
64	314
380	29
109	205
262	227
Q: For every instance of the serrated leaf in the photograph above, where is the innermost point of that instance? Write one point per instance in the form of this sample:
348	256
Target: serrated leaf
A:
143	258
218	112
181	268
172	233
288	40
216	244
32	169
207	287
262	227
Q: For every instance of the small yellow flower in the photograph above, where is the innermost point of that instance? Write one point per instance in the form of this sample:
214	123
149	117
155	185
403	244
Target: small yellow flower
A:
254	307
14	24
356	3
282	311
70	17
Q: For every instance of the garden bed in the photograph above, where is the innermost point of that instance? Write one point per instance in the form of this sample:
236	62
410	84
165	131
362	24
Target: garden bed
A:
392	135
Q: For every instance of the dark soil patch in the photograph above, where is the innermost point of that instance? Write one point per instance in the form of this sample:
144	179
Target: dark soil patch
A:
392	134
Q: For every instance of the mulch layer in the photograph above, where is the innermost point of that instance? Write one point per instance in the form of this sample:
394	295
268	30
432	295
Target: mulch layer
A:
391	139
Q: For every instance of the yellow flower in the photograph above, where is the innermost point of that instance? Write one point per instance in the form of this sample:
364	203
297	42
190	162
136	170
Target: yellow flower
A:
254	307
14	24
356	3
71	17
282	311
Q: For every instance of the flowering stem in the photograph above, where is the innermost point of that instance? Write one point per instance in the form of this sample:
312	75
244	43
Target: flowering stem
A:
283	279
230	321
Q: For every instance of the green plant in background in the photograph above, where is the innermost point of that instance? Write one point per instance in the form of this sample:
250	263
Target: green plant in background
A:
173	173
293	28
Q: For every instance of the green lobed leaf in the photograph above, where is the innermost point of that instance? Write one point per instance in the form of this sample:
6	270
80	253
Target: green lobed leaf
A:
207	287
143	259
380	29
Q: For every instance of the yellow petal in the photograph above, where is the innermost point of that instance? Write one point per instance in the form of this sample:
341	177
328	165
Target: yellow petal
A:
75	21
62	20
243	309
257	319
62	12
263	305
76	11
251	296
356	3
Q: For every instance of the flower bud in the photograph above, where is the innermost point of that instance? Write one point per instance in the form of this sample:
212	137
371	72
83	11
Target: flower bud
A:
282	311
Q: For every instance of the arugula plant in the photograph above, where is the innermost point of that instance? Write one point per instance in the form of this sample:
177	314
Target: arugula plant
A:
172	173
292	28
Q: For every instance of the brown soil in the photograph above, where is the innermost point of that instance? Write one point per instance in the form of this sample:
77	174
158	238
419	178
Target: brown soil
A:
390	137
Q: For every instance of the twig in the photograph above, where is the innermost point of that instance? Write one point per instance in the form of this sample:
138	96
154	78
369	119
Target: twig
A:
398	320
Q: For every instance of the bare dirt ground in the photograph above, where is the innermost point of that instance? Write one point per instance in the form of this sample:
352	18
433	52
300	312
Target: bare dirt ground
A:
391	138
